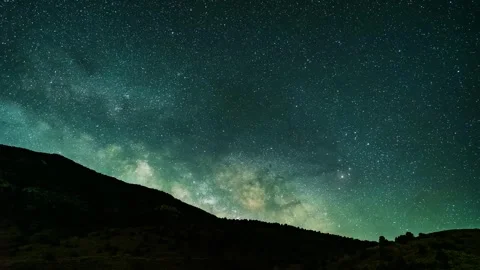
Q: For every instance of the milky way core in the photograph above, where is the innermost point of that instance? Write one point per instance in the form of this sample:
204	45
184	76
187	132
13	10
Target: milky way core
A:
360	119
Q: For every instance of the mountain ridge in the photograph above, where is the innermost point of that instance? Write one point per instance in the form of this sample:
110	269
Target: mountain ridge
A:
56	213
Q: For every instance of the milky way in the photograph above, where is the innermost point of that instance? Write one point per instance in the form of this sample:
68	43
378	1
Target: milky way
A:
359	119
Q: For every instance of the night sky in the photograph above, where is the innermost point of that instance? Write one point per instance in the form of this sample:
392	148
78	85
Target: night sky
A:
358	118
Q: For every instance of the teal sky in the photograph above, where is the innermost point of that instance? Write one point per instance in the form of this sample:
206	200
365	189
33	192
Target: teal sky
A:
359	119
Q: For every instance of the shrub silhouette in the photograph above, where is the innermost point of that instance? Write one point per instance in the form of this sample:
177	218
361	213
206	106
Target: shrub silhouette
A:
382	240
403	239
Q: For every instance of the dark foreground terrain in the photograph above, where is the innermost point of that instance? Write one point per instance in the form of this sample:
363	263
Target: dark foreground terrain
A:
56	214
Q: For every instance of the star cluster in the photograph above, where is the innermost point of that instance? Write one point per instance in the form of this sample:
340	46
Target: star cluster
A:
360	119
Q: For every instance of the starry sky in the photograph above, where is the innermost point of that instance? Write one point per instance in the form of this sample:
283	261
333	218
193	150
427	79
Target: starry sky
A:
358	118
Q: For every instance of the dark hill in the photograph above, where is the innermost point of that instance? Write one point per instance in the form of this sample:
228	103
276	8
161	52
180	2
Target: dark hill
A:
61	193
453	249
56	214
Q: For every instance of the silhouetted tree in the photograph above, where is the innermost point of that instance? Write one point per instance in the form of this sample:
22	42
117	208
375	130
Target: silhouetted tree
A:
382	240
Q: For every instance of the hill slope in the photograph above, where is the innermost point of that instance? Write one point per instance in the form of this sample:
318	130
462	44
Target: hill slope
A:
56	214
453	249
